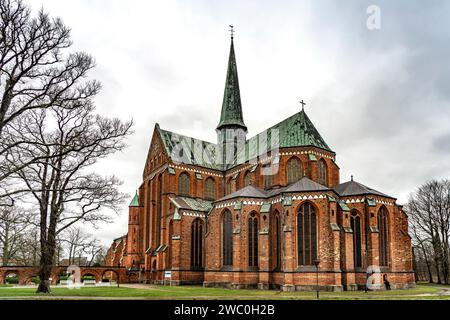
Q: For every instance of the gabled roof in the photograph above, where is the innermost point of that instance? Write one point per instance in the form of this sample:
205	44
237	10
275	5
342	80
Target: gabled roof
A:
201	153
246	192
353	188
231	114
192	204
295	131
304	184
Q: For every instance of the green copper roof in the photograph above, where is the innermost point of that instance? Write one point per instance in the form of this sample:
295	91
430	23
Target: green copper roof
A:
295	131
188	203
298	130
231	114
135	201
201	153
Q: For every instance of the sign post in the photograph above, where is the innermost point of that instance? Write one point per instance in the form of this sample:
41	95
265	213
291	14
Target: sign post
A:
168	275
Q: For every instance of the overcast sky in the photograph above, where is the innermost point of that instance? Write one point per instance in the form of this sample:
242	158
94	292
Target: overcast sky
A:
380	98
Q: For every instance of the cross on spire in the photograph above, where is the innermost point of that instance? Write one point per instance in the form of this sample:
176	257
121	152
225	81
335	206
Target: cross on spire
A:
303	103
232	31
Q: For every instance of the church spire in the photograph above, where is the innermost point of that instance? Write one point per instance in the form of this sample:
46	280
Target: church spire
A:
231	115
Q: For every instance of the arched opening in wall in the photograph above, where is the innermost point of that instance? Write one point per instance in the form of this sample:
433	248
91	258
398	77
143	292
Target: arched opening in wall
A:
169	263
210	189
277	240
252	240
109	276
322	172
11	277
153	270
197	244
306	234
294	170
383	236
88	278
355	224
227	239
184	184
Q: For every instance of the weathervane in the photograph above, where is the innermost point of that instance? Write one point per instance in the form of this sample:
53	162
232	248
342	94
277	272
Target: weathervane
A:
303	103
232	31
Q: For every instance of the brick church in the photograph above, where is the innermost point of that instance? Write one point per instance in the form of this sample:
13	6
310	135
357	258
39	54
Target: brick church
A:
263	212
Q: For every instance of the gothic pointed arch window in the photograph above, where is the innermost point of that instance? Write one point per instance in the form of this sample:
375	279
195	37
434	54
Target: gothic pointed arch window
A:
148	204
253	240
229	186
210	189
322	172
355	224
294	170
277	240
248	178
184	184
197	244
227	239
383	236
306	234
169	264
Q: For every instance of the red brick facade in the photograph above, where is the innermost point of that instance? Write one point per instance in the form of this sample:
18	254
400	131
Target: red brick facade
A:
298	223
334	245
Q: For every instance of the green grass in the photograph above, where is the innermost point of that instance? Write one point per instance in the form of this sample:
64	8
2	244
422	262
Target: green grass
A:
197	292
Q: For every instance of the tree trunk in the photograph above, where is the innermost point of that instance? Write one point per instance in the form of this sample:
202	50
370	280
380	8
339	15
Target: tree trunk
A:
45	269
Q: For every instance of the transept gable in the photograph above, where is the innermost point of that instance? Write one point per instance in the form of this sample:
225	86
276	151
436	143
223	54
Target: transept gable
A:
156	153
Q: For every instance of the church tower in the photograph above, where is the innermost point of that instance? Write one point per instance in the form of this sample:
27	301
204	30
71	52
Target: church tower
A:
231	131
133	229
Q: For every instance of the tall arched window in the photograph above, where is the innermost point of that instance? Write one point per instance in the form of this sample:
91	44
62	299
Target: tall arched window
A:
210	189
277	238
159	210
383	236
227	239
248	178
306	234
184	184
322	172
268	181
355	223
169	264
228	186
147	216
294	170
252	240
197	244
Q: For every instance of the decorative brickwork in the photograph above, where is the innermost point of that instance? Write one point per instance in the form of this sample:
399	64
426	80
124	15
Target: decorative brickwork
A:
264	210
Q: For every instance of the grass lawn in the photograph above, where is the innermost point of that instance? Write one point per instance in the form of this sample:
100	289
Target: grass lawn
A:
196	292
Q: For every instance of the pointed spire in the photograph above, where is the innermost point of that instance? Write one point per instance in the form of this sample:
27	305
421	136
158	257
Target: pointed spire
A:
135	201
231	114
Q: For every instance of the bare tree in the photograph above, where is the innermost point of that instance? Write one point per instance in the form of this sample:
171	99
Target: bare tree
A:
36	73
81	248
15	223
50	134
100	256
70	141
29	252
429	211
